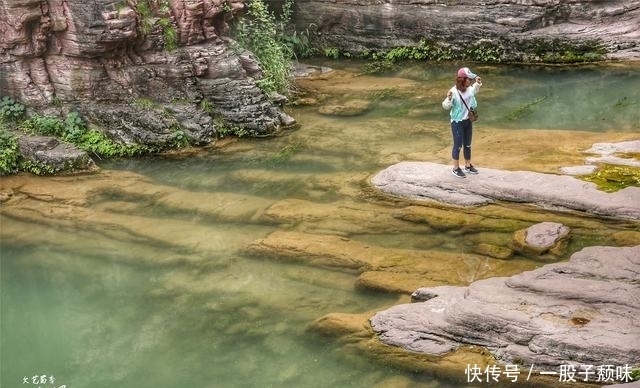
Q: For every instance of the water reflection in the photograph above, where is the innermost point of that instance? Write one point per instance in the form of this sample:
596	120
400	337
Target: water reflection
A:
137	276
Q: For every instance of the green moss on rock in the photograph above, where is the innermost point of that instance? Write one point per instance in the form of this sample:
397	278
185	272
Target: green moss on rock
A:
612	178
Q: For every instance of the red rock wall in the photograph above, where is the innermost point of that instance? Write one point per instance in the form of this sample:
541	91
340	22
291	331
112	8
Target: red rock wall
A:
84	55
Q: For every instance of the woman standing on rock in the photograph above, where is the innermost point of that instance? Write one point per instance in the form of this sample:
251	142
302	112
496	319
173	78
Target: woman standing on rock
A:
461	102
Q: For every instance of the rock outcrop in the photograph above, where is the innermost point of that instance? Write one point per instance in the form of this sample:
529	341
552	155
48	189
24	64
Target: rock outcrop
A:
510	29
52	155
545	239
431	181
139	69
581	312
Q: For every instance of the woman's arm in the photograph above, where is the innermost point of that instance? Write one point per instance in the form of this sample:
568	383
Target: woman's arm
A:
448	101
475	88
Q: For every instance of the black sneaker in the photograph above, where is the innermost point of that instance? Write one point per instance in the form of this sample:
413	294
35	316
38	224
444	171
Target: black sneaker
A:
470	169
458	173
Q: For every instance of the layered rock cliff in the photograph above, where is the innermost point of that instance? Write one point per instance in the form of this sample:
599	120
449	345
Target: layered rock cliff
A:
512	30
138	69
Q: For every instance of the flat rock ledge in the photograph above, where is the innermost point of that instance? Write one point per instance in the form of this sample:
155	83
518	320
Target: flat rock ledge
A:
432	181
581	312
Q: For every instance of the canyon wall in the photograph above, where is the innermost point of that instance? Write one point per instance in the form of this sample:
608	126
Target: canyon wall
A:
139	69
517	30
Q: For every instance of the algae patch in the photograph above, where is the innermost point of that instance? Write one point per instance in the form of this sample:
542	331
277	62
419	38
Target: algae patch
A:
611	178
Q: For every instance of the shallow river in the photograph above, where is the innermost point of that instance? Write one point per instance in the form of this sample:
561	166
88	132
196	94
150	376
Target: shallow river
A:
105	285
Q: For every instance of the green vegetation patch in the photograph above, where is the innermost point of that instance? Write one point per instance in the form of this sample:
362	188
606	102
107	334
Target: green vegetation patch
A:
158	14
10	110
265	35
612	178
564	51
381	61
285	154
71	129
9	152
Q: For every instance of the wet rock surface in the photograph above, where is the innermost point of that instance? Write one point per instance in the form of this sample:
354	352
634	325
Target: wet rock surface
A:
583	311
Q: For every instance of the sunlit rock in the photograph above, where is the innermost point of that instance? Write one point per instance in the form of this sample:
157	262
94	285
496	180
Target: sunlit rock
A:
434	182
614	153
581	312
543	239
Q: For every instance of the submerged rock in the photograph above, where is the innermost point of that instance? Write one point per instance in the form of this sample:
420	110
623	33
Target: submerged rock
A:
380	268
582	312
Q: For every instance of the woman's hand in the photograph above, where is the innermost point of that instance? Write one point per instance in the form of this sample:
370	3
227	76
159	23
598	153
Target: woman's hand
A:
479	80
449	95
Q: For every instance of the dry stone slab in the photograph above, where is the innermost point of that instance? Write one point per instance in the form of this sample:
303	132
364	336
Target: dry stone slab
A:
581	312
425	181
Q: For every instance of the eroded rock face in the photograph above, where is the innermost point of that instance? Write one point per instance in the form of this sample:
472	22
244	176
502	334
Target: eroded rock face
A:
583	311
522	30
115	63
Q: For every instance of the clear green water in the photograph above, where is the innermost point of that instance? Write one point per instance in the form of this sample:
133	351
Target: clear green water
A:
97	311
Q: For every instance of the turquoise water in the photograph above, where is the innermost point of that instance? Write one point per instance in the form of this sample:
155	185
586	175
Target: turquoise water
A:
96	307
91	321
587	97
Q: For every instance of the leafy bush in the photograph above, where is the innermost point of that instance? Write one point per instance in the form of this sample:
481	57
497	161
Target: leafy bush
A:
9	152
169	33
42	125
74	130
10	109
99	144
332	52
261	33
149	12
299	44
179	139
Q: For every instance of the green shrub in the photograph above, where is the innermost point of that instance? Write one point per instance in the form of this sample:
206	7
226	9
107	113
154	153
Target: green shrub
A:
42	125
179	139
74	130
98	144
10	109
261	33
169	33
36	168
332	52
9	152
299	44
151	15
